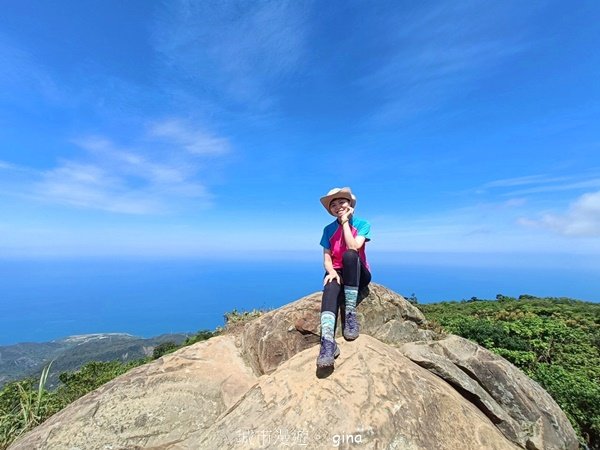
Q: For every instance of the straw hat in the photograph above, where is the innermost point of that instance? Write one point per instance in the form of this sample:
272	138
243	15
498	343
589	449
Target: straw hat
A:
344	192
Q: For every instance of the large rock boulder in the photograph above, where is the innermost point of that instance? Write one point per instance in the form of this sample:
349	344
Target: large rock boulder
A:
159	403
278	335
519	407
376	398
258	388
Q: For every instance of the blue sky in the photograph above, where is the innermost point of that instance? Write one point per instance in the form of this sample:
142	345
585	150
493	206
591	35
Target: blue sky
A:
211	128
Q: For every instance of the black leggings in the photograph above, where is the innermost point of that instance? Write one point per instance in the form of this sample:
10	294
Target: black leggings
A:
353	273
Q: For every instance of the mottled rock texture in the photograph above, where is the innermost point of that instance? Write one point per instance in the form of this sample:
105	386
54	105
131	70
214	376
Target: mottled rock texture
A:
518	406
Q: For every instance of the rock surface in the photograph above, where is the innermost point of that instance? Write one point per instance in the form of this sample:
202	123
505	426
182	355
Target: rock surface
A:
375	395
156	404
258	388
519	406
278	335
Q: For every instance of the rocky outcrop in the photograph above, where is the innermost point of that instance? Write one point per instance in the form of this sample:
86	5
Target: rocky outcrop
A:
518	406
278	335
375	396
158	404
398	386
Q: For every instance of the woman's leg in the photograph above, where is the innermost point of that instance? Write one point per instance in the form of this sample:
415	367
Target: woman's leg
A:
351	276
329	309
355	277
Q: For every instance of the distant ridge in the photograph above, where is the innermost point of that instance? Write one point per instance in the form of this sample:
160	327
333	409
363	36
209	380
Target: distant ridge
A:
82	338
27	359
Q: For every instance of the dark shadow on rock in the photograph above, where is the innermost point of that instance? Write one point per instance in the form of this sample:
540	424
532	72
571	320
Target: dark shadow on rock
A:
363	293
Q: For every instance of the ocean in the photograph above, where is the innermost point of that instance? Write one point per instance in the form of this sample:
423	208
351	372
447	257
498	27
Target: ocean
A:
48	299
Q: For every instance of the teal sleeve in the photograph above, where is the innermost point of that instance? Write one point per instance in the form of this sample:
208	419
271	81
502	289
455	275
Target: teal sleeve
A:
325	240
364	229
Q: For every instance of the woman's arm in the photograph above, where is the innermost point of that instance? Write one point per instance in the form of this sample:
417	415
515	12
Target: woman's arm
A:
328	264
352	243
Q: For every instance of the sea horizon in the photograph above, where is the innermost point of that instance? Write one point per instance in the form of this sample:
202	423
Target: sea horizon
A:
52	298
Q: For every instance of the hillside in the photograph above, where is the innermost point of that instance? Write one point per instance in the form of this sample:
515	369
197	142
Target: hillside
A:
28	359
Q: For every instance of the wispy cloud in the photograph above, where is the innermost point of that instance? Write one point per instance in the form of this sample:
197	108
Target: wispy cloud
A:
8	166
198	142
515	202
94	186
440	52
582	218
153	176
234	48
491	231
584	184
540	184
523	181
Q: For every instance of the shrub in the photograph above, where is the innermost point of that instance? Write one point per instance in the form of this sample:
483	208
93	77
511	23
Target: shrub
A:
201	335
23	406
163	349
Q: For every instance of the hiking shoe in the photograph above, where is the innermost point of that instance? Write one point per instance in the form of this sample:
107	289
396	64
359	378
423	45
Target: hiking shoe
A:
329	351
351	328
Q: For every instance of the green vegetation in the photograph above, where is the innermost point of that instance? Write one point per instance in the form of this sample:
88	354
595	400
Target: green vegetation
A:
26	403
556	341
236	316
163	349
22	407
201	335
91	376
235	320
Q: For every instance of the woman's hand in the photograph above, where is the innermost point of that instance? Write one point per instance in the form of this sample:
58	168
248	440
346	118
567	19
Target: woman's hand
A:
346	216
332	276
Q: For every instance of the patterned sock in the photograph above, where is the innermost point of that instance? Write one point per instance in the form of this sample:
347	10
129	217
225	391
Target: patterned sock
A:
327	325
351	294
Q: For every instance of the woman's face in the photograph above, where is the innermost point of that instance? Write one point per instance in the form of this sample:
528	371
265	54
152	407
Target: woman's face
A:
339	206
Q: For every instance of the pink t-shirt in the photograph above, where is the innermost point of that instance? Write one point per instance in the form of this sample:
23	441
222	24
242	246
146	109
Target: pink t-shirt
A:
333	239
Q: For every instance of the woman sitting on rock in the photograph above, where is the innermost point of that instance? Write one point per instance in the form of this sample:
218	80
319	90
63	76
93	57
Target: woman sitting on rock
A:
346	265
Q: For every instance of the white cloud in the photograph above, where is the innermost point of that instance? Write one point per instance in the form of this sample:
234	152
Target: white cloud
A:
521	181
584	184
541	184
198	142
5	165
96	187
582	219
134	164
155	175
492	227
515	202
